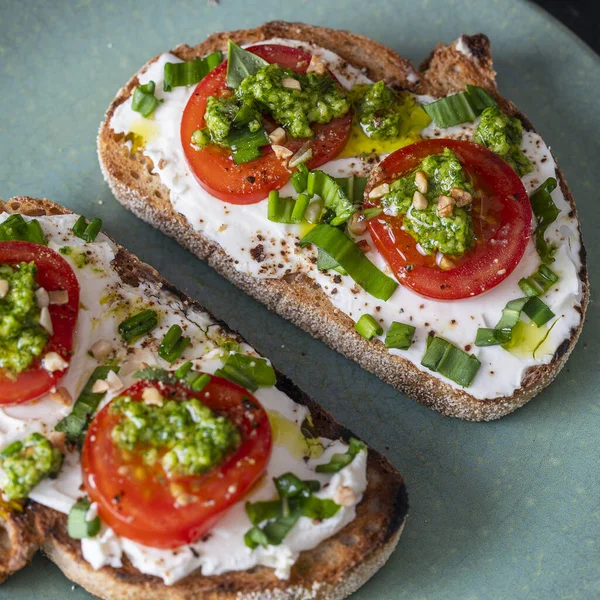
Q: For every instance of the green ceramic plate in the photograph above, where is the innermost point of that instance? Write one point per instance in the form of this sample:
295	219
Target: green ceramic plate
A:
503	510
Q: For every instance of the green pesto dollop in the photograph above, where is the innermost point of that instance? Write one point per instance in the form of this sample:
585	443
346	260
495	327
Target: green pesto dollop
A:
319	100
185	436
22	338
221	115
378	109
26	463
503	135
451	235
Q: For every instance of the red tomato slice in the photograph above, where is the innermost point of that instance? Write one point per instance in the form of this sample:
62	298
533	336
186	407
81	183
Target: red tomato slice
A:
251	182
141	507
502	220
54	273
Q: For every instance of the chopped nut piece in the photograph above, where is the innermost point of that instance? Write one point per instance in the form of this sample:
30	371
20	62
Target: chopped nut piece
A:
419	201
114	383
54	362
42	298
421	182
446	263
380	190
316	66
61	396
59	297
57	439
152	397
462	197
277	136
101	349
3	288
281	152
357	224
363	246
290	83
445	206
100	386
46	320
344	496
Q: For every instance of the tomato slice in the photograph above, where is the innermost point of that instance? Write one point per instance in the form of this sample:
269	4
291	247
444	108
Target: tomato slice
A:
53	273
251	182
502	221
142	508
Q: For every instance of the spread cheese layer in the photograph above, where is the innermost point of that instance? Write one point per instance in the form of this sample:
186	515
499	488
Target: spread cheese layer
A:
106	301
264	249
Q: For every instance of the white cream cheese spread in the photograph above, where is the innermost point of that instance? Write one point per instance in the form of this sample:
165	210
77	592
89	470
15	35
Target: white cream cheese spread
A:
242	229
104	302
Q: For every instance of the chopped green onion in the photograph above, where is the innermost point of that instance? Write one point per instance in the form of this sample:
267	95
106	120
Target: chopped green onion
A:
138	325
302	156
88	232
12	449
156	374
75	424
173	344
248	371
339	461
463	107
245	144
538	283
16	228
314	211
300	178
354	187
78	526
296	500
545	212
371	213
197	381
538	311
502	333
144	101
183	370
241	64
334	197
286	210
190	72
400	336
343	250
325	261
450	361
368	327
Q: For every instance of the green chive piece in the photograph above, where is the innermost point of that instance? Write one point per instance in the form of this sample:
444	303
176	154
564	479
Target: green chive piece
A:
190	72
339	461
450	361
248	371
332	194
88	232
78	526
74	425
245	144
538	311
138	325
201	382
144	101
545	212
16	228
300	178
183	370
538	283
511	314
300	206
371	213
463	107
399	336
173	344
344	251
368	327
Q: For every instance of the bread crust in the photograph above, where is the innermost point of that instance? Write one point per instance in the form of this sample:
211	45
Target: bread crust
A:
297	298
333	570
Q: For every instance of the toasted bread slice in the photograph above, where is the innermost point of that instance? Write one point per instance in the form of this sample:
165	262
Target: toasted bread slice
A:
297	298
333	570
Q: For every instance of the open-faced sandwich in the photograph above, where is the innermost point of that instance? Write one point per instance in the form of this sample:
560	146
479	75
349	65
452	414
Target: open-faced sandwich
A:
456	273
150	452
